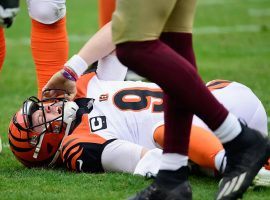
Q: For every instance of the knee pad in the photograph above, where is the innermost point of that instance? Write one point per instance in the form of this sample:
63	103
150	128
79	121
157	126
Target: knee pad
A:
46	11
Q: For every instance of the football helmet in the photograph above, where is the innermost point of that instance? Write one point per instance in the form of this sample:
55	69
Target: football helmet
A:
40	148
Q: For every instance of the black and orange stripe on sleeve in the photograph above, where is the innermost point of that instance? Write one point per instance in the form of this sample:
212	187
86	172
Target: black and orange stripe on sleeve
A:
83	152
217	84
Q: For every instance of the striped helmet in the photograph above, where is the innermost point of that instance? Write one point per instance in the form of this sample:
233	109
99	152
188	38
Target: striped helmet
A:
37	148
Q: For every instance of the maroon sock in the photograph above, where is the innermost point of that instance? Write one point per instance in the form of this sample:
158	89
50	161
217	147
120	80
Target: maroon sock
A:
180	82
177	121
182	44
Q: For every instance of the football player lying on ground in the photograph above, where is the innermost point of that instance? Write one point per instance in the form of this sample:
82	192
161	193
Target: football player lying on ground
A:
118	125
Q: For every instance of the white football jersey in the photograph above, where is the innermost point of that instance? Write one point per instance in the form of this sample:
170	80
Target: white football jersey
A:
240	101
125	110
131	110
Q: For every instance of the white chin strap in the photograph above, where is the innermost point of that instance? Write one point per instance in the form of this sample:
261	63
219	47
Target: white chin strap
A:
69	116
70	110
37	150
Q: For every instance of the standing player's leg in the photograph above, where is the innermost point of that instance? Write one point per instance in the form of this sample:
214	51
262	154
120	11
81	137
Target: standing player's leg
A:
49	40
138	47
105	10
153	57
2	47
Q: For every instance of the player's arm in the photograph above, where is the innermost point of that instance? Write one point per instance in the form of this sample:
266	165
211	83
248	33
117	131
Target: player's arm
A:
99	46
122	156
8	11
82	152
92	153
96	155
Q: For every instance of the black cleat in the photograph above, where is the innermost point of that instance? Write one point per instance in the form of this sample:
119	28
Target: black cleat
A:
172	187
246	155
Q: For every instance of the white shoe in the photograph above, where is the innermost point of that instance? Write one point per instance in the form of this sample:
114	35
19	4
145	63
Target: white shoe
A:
262	178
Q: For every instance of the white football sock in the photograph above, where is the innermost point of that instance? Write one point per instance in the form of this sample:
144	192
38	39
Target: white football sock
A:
229	129
173	161
220	161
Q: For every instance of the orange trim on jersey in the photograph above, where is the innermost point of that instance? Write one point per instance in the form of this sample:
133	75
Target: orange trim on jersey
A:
203	145
83	128
82	84
218	84
74	159
155	101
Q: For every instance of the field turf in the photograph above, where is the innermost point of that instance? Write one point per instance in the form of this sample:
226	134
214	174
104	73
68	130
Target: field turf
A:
231	40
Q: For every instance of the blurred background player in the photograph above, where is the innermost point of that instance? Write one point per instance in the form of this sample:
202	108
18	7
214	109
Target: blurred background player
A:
8	11
105	11
49	41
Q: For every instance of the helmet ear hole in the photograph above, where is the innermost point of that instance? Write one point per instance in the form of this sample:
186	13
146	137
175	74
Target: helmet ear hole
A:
49	148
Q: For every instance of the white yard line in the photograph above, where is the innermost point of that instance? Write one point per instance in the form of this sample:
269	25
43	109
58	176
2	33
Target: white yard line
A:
26	41
230	29
5	145
259	12
215	2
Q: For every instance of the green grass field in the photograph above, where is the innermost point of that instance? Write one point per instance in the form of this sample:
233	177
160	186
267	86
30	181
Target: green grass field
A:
231	40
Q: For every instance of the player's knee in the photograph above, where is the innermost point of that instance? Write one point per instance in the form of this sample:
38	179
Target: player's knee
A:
46	12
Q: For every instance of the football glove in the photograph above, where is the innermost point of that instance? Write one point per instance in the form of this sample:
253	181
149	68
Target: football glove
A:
8	10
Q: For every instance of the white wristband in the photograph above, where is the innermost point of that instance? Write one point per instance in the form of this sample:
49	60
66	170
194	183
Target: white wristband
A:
77	64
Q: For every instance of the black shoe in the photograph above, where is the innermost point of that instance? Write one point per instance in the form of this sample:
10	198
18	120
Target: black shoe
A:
246	154
169	185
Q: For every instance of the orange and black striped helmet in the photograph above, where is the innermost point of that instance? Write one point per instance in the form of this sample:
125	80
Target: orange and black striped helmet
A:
31	148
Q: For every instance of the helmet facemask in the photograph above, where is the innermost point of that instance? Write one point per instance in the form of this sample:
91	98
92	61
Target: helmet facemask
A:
49	132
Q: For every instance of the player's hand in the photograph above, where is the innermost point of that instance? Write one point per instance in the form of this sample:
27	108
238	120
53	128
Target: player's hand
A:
58	81
8	11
